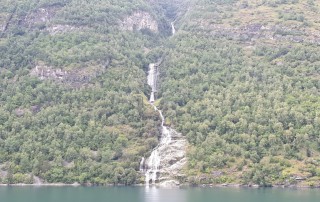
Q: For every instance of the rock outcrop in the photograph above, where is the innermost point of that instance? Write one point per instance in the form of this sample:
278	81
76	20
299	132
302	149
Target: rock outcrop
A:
57	29
139	21
173	159
167	161
5	22
76	77
252	32
47	72
41	16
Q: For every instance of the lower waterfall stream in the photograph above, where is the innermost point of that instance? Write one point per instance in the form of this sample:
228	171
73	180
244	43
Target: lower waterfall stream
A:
168	158
162	156
153	163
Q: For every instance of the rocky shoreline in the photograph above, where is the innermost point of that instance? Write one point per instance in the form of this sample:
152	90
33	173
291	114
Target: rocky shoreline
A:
257	186
161	186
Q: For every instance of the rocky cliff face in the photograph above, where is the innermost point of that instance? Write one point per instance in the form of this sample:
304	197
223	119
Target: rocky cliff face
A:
173	160
46	72
252	21
5	21
139	21
43	19
56	29
41	16
167	162
254	32
76	77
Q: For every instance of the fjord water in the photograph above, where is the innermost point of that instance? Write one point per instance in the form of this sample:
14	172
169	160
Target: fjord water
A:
153	194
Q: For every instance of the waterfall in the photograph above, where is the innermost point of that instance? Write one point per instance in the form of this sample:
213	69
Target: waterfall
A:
173	30
141	168
153	162
152	81
168	158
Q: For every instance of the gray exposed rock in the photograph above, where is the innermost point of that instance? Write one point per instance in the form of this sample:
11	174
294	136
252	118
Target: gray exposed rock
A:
35	108
77	76
5	22
3	173
139	21
217	173
57	29
252	32
169	184
299	178
67	164
43	18
253	27
172	159
41	15
46	72
19	112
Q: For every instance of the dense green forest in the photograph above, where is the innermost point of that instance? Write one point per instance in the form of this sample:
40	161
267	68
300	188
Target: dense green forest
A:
245	93
239	79
93	127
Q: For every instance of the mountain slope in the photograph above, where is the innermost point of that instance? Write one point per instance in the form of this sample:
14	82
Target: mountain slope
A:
241	81
72	90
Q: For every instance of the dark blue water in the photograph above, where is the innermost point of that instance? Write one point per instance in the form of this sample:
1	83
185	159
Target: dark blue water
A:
152	194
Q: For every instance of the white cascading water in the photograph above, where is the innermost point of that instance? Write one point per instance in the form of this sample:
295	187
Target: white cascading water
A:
173	29
153	162
152	165
141	165
152	80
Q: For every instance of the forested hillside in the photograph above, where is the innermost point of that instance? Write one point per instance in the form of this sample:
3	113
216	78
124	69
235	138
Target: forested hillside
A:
239	79
73	104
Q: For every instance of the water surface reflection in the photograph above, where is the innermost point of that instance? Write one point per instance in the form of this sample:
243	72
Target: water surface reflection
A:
155	194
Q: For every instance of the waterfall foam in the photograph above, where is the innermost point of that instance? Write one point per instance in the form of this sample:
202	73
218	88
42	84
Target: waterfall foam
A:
141	167
173	29
169	156
152	80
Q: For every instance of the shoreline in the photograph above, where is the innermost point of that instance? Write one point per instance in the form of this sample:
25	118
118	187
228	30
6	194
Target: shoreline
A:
182	186
42	185
256	186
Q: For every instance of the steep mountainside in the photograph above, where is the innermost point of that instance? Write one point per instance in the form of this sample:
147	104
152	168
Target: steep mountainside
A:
73	89
239	80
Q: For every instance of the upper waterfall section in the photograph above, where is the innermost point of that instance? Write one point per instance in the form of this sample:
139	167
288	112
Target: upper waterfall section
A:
152	80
